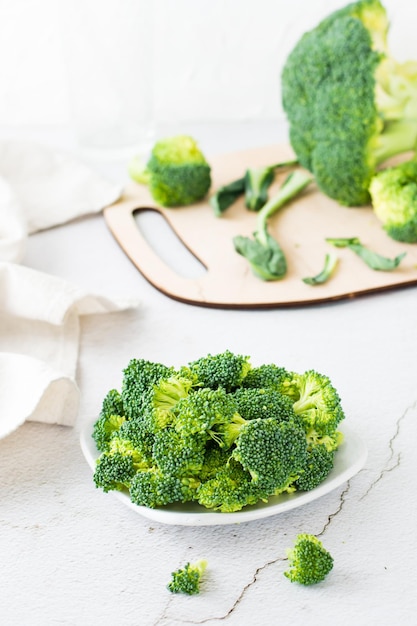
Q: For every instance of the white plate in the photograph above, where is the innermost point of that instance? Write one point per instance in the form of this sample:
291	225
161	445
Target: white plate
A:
349	459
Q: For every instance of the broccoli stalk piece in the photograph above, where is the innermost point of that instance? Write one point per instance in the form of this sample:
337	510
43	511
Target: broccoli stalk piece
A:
257	183
227	195
187	579
330	263
177	173
372	259
254	185
263	252
350	106
394	200
309	561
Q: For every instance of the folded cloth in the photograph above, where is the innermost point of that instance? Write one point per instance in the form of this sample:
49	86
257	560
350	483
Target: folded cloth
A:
40	313
39	340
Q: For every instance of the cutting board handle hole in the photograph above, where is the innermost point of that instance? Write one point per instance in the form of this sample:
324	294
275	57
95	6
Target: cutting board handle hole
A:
166	244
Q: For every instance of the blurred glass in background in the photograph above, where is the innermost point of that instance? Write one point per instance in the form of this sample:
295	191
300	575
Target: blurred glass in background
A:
108	51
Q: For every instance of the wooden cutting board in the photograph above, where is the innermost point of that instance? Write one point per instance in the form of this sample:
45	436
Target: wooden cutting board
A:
301	228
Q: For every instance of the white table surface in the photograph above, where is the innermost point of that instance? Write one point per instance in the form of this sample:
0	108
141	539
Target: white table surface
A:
72	555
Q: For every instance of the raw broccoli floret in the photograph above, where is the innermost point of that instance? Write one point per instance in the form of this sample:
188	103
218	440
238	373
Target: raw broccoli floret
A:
350	106
187	579
261	403
177	172
394	200
272	452
152	488
309	561
316	401
266	376
263	252
319	464
201	411
139	377
215	458
225	370
114	471
177	454
116	467
110	419
229	490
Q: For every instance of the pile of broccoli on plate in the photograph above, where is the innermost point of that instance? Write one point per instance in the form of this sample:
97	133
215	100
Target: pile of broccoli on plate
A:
216	431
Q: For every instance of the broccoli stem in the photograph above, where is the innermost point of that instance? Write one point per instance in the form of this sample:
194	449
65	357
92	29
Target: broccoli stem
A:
397	137
293	185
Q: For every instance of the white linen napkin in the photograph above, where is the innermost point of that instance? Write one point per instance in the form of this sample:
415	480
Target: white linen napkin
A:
40	313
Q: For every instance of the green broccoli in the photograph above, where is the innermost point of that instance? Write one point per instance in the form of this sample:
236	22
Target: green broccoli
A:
229	489
178	454
116	467
177	172
263	252
254	185
225	370
187	579
372	259
330	262
273	452
110	419
258	403
257	183
350	106
138	379
152	488
394	200
265	376
201	411
216	431
309	561
318	465
316	401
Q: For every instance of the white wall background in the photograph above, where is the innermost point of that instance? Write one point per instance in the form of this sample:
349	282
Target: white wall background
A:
211	60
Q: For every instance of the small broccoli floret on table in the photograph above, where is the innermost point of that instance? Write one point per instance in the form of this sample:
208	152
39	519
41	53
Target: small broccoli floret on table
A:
110	419
349	104
225	370
273	452
229	490
394	200
255	403
177	172
188	578
309	561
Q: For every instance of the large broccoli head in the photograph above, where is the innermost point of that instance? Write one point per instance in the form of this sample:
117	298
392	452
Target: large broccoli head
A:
349	105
